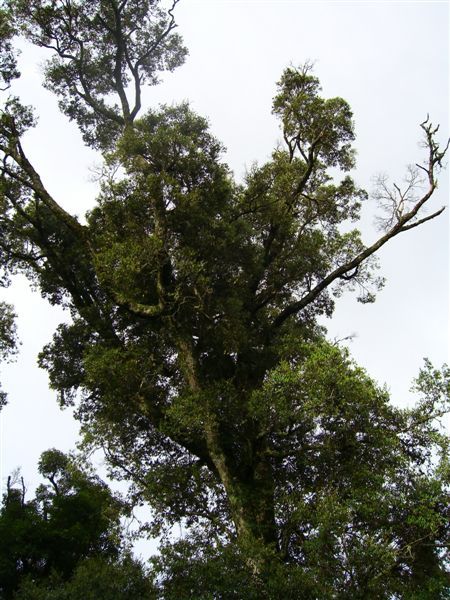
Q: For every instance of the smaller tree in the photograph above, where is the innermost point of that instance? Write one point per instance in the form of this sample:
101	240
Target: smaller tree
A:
72	518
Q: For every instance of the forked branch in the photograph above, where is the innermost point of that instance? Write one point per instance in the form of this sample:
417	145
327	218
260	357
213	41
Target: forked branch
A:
402	220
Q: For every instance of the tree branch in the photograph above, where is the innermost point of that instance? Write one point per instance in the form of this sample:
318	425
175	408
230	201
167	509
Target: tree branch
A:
146	311
18	154
405	222
140	61
424	220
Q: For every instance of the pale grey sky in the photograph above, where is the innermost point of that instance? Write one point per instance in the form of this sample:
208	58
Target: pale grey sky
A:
388	59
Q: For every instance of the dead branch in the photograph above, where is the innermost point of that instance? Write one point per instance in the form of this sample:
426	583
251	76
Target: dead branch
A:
403	220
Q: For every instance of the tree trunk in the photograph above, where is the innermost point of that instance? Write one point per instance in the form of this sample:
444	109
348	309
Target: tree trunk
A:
250	490
250	493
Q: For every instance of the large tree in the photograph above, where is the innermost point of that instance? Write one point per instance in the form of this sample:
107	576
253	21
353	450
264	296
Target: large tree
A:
194	355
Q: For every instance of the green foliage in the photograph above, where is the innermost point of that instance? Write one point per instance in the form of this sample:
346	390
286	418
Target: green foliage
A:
8	62
72	518
310	122
361	496
8	338
8	333
100	48
92	579
194	358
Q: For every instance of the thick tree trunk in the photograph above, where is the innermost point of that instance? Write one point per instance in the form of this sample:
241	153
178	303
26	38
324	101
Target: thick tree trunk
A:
250	490
251	495
257	497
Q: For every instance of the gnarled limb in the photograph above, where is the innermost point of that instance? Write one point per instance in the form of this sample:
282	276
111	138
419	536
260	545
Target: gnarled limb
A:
404	222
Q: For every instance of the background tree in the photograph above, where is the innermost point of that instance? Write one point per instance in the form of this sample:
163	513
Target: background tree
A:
190	295
61	538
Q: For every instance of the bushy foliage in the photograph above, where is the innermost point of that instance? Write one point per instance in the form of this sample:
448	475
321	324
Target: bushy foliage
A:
194	357
72	518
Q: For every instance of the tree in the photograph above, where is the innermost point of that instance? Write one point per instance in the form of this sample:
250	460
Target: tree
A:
72	519
362	509
8	338
194	355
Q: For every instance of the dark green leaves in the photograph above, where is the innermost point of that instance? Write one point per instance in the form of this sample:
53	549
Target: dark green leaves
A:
73	518
8	338
104	51
313	127
194	358
8	55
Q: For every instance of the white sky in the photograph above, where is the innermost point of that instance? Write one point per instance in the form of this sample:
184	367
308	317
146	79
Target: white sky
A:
389	60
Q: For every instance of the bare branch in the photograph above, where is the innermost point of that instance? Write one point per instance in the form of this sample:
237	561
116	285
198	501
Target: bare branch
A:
394	201
402	222
424	220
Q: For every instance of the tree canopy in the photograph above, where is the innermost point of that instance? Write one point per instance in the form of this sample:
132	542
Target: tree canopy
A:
194	356
66	542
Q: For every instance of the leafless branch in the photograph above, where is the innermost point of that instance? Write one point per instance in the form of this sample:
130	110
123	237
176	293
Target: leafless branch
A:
395	201
404	220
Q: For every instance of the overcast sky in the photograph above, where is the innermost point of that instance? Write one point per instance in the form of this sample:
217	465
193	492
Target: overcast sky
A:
389	60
